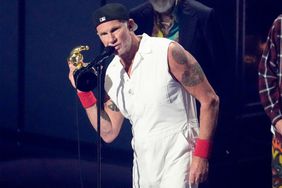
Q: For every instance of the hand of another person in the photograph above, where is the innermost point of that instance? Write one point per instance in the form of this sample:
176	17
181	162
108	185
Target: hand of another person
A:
198	170
278	126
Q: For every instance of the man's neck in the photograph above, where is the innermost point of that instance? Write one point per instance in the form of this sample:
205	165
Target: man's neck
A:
128	58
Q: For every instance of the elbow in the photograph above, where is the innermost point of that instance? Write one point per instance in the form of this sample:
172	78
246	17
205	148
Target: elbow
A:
110	134
215	101
108	138
210	103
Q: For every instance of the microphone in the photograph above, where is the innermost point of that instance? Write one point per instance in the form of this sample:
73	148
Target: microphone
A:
106	53
86	78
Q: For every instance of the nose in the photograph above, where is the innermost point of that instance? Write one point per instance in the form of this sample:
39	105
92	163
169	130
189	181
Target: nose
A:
111	38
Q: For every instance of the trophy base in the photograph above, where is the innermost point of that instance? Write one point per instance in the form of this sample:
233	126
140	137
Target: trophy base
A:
85	80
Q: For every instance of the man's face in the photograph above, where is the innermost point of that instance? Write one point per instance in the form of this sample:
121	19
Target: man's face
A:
162	6
115	33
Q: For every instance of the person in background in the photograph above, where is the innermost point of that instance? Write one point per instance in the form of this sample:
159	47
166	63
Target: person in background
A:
154	82
270	91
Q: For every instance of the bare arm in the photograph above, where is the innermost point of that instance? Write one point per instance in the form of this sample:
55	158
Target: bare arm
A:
111	120
111	117
188	72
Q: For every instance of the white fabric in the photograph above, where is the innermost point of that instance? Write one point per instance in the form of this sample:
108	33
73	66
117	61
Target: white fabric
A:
162	114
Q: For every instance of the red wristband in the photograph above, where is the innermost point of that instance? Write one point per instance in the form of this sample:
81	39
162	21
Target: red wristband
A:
87	99
203	148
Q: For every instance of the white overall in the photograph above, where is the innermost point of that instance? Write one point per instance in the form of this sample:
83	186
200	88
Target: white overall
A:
162	114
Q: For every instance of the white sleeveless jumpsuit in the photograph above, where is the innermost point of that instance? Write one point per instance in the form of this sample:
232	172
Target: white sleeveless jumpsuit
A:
162	114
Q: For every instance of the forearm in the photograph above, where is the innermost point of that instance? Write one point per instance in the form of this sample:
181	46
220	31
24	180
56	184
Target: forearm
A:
106	129
203	147
208	121
208	118
110	117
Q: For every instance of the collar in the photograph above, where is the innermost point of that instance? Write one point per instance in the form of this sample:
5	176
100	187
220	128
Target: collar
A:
144	43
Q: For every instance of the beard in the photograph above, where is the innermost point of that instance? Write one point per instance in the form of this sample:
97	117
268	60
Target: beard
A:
162	6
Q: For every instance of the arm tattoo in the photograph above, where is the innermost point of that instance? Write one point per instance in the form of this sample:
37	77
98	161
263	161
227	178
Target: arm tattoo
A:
113	107
179	55
193	73
105	116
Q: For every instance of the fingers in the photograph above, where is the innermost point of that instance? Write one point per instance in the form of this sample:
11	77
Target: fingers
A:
198	178
198	172
71	66
202	178
72	69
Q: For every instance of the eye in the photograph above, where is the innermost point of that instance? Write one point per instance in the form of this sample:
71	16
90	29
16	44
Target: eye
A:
102	34
116	29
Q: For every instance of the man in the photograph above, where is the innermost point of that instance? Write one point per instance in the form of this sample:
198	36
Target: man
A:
270	91
153	82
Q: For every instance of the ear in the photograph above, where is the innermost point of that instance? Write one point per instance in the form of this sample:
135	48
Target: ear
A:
132	26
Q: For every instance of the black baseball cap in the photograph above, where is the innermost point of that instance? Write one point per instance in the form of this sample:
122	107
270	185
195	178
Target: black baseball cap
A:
108	12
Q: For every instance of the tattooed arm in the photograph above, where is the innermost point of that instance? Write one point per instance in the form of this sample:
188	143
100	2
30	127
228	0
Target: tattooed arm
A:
186	70
111	120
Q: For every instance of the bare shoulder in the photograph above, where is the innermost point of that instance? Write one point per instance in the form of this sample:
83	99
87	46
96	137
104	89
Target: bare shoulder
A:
183	66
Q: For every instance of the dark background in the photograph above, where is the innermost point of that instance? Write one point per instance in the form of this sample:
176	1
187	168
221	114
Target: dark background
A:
46	139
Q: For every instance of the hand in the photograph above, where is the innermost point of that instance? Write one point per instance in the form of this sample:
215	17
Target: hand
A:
198	170
72	69
278	126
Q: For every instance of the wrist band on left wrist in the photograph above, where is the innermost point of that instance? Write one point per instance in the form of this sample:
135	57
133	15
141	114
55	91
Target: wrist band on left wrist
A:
203	148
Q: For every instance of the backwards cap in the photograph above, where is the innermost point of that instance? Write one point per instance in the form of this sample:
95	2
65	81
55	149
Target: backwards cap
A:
108	12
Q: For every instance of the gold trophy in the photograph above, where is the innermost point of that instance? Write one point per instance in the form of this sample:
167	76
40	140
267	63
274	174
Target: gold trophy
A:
76	58
85	79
